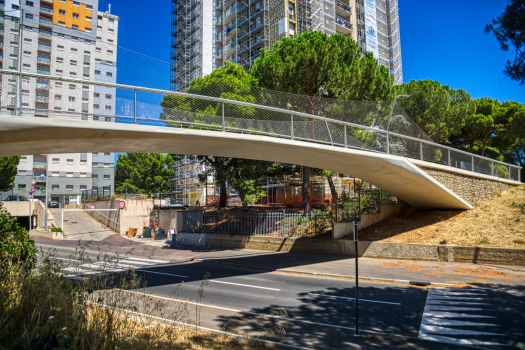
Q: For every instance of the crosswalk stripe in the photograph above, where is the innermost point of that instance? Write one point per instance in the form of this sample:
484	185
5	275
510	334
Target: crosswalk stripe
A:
440	314
445	322
456	341
452	308
453	331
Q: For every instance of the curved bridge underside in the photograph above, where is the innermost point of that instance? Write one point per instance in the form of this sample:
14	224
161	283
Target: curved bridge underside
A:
396	175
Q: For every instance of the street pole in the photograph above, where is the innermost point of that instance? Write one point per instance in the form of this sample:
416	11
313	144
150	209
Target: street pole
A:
356	281
30	201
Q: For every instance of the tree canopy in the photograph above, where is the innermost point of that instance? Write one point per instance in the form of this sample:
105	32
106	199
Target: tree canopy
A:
8	167
143	173
509	29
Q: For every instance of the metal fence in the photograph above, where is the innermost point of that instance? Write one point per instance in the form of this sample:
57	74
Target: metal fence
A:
349	207
96	194
347	124
281	224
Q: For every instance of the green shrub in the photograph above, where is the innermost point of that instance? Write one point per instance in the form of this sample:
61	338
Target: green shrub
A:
16	247
56	229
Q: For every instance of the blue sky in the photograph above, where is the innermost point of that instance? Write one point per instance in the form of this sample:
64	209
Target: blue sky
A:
440	40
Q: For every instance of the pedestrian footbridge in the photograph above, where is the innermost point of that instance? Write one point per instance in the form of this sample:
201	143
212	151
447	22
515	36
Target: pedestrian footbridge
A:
386	155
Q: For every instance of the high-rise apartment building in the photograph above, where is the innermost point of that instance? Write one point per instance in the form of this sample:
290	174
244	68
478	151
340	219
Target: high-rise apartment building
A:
205	33
59	38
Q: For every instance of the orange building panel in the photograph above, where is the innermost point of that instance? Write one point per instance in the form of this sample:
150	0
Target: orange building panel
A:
72	9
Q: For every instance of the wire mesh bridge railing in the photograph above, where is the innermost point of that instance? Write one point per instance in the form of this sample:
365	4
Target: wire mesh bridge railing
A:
377	126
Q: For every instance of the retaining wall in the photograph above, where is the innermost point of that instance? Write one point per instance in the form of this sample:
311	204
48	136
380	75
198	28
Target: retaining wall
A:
21	208
471	188
384	250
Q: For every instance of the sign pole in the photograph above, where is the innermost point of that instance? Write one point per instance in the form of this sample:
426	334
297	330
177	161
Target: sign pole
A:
30	201
356	281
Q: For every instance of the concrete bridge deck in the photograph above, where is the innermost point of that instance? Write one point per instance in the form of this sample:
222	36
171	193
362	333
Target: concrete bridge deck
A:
397	175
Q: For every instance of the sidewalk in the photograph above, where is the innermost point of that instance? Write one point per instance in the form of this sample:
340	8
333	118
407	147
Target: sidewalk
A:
388	270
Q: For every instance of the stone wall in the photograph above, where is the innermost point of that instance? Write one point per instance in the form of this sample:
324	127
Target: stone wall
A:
472	189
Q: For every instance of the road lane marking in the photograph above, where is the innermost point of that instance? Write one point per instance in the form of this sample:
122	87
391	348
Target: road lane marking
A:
367	300
245	285
162	273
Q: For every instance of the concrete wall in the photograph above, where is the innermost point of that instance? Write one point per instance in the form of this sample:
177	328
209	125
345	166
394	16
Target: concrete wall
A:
384	250
22	209
342	229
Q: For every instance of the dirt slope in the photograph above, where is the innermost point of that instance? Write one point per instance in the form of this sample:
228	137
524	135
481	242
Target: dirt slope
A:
497	222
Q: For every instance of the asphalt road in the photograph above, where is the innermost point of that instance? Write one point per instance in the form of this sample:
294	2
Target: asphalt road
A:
320	312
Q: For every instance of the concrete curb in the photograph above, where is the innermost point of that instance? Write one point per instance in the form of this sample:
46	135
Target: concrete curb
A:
329	275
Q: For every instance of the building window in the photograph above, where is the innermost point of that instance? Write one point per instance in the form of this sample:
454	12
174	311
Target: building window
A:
89	7
107	177
87	30
56	160
60	71
89	18
110	52
94	176
83	161
29	16
69	187
71	99
74	50
96	107
58	97
21	186
27	52
75	15
83	174
110	30
74	26
76	3
70	109
27	65
108	96
110	40
111	20
73	62
28	40
60	47
55	173
30	3
72	86
95	117
107	154
98	49
109	74
55	187
96	94
63	24
21	173
62	12
108	119
69	162
15	7
108	108
83	187
60	60
58	108
69	174
72	73
97	71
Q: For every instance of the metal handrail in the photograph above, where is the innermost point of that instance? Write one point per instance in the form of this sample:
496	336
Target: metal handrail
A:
253	105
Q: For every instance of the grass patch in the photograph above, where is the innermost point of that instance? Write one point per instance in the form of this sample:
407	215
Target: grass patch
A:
484	241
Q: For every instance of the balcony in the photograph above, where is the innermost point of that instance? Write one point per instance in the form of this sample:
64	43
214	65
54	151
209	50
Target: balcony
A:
40	178
218	38
231	27
219	54
230	46
343	6
231	10
41	98
39	165
219	21
41	70
46	10
43	60
44	35
218	4
46	22
42	47
42	86
343	25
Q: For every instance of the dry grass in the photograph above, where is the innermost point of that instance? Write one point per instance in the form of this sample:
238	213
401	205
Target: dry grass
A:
497	222
42	309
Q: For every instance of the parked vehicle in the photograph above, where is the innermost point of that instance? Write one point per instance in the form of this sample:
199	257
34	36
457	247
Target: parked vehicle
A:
53	204
16	198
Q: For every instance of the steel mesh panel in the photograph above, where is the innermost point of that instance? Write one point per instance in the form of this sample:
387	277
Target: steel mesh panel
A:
403	147
460	160
515	173
435	154
483	166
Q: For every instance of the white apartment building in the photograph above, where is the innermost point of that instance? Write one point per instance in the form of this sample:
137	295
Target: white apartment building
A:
60	38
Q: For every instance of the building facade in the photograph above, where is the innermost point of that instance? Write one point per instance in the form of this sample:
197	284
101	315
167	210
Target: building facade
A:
59	38
205	33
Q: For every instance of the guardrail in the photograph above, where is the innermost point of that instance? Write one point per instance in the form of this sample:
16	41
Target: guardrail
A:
291	124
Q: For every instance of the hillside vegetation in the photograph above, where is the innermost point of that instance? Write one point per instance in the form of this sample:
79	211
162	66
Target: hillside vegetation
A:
497	222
